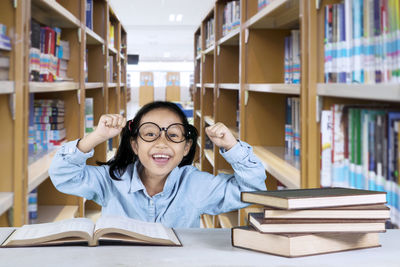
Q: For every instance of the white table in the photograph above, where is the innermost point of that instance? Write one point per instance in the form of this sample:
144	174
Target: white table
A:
201	247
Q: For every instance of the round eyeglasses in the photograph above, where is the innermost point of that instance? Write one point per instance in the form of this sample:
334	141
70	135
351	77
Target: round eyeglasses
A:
149	132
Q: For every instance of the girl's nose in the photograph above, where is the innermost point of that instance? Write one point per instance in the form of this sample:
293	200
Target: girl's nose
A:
162	140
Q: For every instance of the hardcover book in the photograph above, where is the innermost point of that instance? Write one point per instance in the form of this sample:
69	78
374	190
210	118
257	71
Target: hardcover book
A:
349	212
314	198
263	225
297	245
107	230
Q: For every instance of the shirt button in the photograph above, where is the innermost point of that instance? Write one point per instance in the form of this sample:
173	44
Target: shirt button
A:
151	202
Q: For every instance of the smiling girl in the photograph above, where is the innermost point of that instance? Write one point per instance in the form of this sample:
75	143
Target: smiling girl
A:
151	177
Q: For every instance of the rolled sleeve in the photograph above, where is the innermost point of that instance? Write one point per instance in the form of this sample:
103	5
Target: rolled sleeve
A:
72	154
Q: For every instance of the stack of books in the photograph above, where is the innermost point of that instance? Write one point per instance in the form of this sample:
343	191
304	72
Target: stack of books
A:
313	221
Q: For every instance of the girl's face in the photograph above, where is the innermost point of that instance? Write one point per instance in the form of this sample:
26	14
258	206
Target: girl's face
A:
161	156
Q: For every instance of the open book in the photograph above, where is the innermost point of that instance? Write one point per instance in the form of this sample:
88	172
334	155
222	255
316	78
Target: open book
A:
107	230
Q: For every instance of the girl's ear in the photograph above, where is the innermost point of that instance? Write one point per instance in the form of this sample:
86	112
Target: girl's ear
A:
188	145
134	146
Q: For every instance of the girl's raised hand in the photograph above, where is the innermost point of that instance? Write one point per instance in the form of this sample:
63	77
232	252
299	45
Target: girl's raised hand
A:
110	125
221	136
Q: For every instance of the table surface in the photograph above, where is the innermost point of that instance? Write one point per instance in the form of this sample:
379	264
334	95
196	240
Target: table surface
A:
201	247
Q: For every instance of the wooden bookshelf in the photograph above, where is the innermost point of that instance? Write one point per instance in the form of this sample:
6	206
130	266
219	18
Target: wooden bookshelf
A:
21	172
240	82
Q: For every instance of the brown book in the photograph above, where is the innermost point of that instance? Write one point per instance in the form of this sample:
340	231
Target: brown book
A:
108	230
380	211
297	245
314	198
314	225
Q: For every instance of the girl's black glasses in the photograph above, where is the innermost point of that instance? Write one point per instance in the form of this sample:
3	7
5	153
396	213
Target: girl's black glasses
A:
149	132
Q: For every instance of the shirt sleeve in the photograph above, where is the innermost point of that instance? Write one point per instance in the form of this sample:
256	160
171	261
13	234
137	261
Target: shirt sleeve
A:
70	174
221	193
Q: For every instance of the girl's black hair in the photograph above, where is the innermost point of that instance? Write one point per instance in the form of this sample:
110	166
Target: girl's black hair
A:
125	154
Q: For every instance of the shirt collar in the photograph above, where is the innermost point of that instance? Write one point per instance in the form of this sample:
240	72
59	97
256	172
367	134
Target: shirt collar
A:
137	184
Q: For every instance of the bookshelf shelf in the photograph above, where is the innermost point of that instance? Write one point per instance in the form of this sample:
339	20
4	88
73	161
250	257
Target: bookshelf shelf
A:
112	50
229	219
229	86
122	56
209	120
38	170
111	153
50	87
383	92
209	85
278	14
94	85
198	85
6	201
198	113
111	85
93	38
50	12
198	57
209	50
280	88
282	166
209	153
6	87
53	213
232	38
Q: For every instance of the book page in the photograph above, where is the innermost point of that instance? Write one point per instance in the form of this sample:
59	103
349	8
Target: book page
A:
154	230
33	231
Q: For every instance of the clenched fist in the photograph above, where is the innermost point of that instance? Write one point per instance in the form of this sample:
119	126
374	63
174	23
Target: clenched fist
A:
109	126
221	136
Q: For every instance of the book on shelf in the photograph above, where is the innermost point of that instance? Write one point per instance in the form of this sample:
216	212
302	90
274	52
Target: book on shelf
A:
276	225
106	230
379	211
89	14
314	197
359	38
297	245
5	40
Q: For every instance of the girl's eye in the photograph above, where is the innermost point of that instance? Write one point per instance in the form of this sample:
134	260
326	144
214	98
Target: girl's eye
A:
150	134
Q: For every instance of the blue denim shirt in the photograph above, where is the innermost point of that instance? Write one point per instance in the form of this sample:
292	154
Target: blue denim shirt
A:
187	192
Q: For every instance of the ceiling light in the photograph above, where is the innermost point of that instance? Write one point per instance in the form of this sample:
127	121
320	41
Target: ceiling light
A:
179	17
171	17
